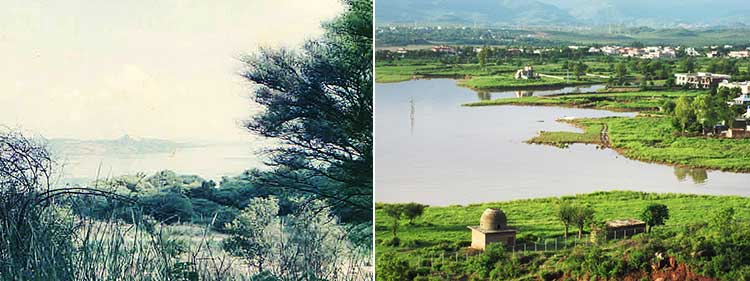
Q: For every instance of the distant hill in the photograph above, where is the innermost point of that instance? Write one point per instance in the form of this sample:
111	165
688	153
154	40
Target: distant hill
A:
123	145
670	13
469	12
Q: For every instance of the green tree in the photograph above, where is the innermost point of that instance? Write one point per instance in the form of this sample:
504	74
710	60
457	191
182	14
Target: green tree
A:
684	117
249	232
655	214
688	65
317	102
482	55
583	215
579	69
412	211
621	72
706	110
395	211
566	213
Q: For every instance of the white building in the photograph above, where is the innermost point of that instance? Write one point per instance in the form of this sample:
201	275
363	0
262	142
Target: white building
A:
700	80
692	52
739	54
743	86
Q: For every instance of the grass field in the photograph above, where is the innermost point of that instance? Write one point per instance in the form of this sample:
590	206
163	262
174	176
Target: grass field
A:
535	218
628	101
500	82
651	139
442	231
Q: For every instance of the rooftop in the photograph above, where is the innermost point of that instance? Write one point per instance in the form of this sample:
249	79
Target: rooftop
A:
625	222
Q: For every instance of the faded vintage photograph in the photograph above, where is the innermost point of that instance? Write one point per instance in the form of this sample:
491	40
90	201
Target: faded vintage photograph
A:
186	140
562	140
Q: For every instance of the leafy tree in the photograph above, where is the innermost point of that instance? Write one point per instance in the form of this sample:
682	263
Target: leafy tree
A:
249	232
688	65
482	55
684	118
583	216
706	110
413	210
655	214
395	211
579	69
317	101
168	206
566	214
621	72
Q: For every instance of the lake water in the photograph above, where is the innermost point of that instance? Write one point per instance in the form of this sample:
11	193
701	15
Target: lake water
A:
208	161
430	149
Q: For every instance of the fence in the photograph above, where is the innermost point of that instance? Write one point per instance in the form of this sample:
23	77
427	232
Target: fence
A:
562	243
545	245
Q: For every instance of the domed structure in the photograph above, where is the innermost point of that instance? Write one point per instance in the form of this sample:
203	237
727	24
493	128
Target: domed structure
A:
493	228
493	219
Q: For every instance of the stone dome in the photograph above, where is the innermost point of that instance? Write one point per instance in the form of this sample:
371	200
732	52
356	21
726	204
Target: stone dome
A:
493	219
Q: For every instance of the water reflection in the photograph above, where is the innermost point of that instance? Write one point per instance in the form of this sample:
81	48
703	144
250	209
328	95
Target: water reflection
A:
697	175
545	91
465	155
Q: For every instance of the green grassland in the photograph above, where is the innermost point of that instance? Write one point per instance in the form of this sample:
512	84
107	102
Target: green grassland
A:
628	101
441	231
651	139
500	82
535	218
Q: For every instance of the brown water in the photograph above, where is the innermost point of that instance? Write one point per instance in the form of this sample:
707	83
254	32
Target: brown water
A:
430	149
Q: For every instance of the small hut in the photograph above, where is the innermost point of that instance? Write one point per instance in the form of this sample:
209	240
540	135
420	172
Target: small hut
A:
624	228
493	227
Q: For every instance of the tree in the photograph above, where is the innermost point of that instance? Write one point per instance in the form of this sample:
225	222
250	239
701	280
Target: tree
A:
621	72
688	65
413	210
249	232
579	69
706	110
395	211
317	102
655	214
583	216
684	117
482	55
566	214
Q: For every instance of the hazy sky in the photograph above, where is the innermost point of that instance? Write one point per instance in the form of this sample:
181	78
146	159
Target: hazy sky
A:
166	69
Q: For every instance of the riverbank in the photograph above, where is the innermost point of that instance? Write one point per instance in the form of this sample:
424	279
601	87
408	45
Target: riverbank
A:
507	82
442	232
644	101
651	139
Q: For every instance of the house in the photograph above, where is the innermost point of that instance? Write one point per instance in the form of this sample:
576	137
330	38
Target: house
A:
443	49
526	73
713	54
743	86
700	80
742	100
692	52
739	54
617	229
493	228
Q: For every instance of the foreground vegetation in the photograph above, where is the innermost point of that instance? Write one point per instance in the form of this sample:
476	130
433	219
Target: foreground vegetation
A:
714	227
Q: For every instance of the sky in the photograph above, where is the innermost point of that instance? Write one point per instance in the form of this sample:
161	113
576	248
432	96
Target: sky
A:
160	69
